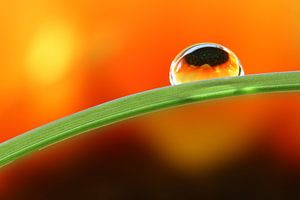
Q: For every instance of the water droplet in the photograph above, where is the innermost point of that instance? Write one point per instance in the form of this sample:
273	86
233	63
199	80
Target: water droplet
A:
204	61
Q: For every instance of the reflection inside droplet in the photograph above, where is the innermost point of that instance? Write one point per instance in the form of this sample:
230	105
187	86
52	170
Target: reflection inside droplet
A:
204	61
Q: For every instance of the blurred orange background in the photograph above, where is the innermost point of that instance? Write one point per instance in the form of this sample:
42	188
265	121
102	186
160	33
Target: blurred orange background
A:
59	57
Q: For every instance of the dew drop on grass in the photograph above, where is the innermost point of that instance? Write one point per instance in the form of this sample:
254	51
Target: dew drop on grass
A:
204	61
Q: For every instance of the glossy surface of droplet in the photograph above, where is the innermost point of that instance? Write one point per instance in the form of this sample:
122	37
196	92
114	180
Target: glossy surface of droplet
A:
204	61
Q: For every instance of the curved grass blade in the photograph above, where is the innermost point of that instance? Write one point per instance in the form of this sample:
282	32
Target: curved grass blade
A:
141	103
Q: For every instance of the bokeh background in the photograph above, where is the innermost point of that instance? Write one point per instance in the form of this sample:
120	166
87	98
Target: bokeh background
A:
59	57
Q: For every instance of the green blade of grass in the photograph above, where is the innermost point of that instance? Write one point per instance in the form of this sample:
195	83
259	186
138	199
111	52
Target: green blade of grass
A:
141	103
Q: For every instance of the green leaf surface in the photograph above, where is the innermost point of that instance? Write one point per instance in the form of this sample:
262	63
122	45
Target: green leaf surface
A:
141	103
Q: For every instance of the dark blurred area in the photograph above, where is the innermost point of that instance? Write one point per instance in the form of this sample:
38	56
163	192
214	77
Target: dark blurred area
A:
224	159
